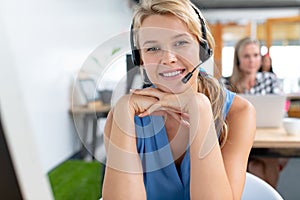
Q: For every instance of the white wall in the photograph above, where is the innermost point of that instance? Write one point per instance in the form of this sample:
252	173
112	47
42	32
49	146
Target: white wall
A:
49	41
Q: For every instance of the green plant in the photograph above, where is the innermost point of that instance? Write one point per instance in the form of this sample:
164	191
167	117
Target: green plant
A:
76	180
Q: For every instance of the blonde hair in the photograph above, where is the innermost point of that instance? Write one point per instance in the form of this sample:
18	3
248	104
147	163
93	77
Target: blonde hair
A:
185	11
237	74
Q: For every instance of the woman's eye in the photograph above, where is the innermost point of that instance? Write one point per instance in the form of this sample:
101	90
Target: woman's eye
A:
181	43
152	49
246	56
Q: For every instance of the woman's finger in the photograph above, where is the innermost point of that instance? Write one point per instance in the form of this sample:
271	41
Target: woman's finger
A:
153	92
185	116
154	107
158	110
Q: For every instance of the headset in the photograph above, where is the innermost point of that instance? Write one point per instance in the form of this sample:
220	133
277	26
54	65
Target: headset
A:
205	51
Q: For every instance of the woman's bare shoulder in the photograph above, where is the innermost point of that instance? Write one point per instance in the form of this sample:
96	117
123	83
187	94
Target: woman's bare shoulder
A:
241	118
241	106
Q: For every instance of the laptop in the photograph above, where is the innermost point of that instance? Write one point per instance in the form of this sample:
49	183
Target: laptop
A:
269	109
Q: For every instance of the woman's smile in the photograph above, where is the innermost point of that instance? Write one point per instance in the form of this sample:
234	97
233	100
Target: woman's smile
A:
172	74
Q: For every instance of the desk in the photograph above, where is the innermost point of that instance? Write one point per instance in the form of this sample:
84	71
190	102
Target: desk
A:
277	142
275	138
91	113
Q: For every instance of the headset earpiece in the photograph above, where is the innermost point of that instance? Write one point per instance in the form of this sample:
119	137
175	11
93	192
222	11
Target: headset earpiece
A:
136	58
205	51
135	54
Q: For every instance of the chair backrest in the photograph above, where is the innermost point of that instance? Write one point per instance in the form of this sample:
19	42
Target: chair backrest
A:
256	188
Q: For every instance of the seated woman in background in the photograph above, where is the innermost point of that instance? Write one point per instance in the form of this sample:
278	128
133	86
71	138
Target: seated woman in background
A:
266	64
184	137
246	79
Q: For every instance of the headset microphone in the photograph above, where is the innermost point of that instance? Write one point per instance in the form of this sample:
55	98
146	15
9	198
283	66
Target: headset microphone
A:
187	77
205	56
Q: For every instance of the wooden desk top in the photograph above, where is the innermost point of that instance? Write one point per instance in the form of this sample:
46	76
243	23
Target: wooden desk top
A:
91	108
275	138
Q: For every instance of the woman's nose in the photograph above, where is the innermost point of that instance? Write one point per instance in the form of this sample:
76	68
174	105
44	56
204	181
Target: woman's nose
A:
168	57
252	59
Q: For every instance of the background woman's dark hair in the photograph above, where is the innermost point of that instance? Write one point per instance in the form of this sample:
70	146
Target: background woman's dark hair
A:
264	57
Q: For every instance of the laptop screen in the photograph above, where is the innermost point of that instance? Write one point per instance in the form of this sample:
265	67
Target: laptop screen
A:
269	109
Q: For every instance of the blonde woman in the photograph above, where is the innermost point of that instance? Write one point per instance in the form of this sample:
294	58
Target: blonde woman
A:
186	137
245	77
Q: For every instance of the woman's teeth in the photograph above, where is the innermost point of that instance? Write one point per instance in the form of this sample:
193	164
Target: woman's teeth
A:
170	74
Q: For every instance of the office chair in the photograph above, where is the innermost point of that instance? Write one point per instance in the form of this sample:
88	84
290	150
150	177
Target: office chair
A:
256	188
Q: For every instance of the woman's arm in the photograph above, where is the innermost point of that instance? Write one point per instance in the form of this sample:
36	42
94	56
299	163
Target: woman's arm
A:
241	120
216	173
208	176
124	174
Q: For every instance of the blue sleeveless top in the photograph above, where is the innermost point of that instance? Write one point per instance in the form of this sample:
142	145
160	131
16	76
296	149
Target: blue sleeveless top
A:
161	178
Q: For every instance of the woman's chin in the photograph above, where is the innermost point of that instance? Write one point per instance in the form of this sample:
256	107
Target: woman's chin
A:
173	88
